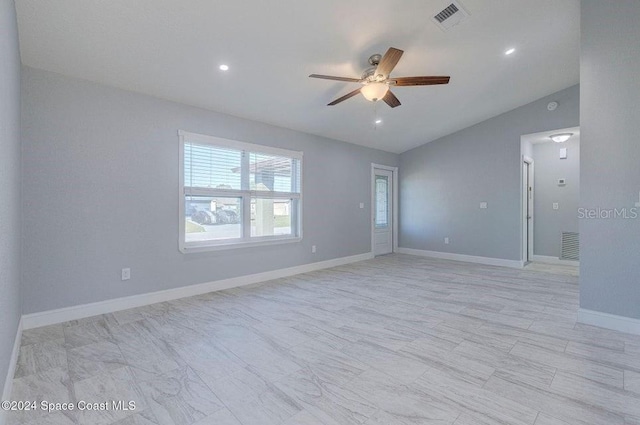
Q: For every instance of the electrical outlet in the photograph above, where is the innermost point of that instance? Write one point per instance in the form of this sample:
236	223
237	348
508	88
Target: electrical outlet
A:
126	274
483	205
556	206
446	241
313	249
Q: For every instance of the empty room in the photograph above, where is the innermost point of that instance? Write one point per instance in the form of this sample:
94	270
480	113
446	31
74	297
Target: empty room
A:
319	213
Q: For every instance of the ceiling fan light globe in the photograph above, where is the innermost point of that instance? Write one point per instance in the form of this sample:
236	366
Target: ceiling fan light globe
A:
374	91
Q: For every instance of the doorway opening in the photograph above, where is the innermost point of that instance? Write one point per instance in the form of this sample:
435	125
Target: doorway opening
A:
550	196
527	208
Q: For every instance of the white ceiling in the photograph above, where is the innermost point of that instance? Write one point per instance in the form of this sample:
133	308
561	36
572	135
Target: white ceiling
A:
172	48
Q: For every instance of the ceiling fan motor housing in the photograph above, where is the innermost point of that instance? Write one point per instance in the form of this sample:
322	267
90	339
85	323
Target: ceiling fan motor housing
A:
375	59
369	73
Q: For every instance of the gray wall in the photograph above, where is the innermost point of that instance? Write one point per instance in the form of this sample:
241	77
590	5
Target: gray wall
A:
610	155
443	182
10	302
101	193
548	224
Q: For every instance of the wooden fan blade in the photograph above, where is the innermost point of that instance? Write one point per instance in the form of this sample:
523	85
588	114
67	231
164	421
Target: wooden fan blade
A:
345	97
388	62
419	81
391	99
330	77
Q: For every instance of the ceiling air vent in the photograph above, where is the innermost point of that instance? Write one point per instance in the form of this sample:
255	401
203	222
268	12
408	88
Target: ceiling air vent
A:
450	16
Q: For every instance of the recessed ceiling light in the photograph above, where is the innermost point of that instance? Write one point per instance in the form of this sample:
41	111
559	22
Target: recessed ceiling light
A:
224	67
378	121
510	51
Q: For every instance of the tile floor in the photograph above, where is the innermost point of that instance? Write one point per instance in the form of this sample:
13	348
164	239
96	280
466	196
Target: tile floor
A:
396	340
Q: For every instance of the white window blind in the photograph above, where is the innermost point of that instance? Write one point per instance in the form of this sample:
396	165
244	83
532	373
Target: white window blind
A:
211	167
235	193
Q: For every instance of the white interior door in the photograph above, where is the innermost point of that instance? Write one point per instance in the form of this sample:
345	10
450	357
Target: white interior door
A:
527	209
383	211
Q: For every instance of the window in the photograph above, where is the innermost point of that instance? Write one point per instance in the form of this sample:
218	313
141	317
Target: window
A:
237	194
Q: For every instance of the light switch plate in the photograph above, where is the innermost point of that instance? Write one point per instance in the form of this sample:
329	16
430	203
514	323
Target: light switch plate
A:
556	206
361	205
563	153
483	205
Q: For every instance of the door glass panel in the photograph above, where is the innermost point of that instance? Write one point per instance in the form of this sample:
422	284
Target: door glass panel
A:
382	202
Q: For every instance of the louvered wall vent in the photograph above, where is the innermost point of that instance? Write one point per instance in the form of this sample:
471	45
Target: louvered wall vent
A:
450	16
570	246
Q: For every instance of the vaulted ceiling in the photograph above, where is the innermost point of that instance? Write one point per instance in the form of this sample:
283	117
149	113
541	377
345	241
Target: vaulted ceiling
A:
172	49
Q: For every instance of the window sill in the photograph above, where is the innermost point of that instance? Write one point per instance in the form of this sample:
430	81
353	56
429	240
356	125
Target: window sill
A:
189	249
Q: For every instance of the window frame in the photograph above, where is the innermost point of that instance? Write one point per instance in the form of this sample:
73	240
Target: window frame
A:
246	195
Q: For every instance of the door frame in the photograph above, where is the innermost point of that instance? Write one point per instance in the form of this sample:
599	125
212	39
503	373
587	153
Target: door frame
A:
527	209
394	218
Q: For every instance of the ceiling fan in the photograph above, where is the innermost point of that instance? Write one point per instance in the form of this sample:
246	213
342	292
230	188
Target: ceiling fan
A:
376	80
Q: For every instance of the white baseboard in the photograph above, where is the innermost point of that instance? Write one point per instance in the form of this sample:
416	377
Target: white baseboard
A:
609	321
461	257
50	317
13	362
553	260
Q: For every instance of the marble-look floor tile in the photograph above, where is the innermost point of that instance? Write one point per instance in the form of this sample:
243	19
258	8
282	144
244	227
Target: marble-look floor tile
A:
399	403
463	368
507	365
123	317
221	417
251	398
611	357
146	417
42	334
87	333
239	386
632	381
603	396
104	318
53	418
145	353
565	408
179	397
631	420
328	364
544	419
509	336
93	359
569	363
257	350
303	418
478	419
472	400
270	407
52	386
329	402
40	357
405	368
116	385
211	360
398	340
